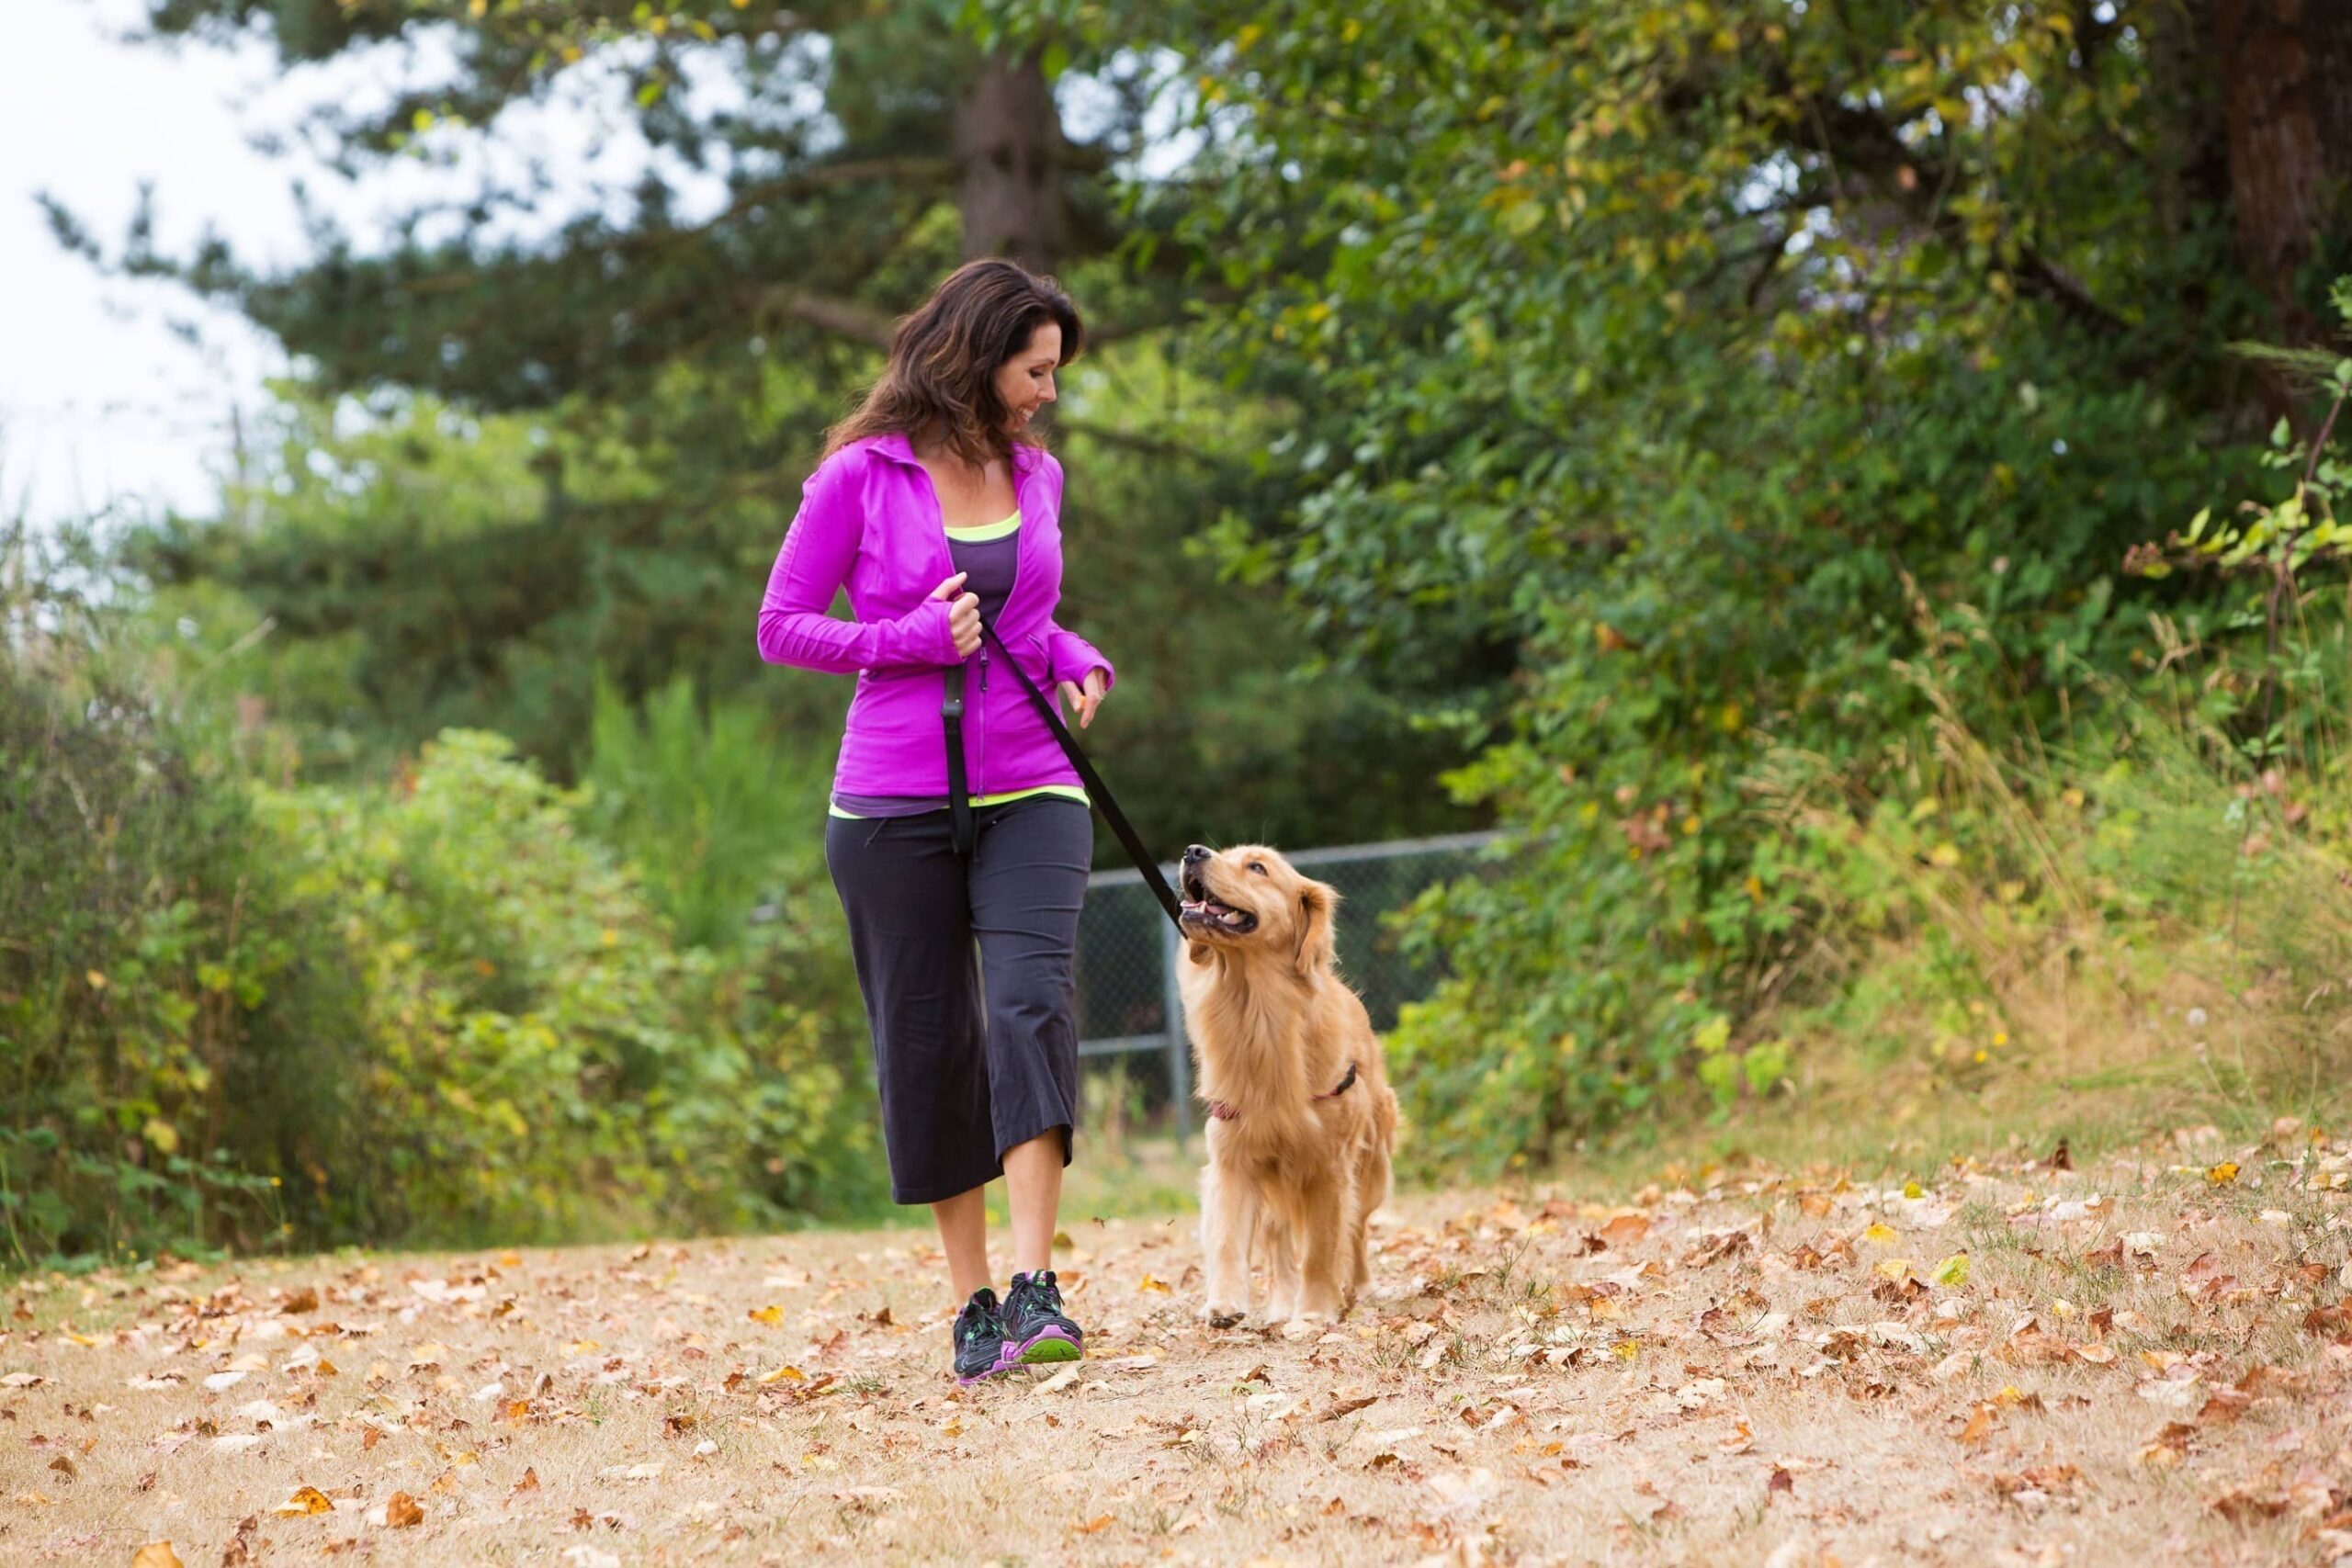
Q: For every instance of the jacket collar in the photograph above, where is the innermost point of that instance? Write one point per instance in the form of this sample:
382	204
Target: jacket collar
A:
898	449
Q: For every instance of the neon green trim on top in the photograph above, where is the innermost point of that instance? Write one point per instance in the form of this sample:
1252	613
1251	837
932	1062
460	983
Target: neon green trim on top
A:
1067	791
981	533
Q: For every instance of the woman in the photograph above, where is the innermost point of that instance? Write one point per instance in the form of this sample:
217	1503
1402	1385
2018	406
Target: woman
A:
941	514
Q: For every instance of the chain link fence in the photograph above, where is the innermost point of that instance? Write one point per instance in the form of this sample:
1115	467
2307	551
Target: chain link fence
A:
1128	1005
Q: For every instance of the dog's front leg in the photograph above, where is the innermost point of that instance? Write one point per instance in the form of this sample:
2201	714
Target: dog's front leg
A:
1228	1214
1282	1263
1371	1189
1318	1251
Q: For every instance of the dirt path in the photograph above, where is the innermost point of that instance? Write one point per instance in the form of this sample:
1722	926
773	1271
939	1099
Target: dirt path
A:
2147	1362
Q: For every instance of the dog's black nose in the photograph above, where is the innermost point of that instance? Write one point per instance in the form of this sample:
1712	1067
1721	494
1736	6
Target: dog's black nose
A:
1195	852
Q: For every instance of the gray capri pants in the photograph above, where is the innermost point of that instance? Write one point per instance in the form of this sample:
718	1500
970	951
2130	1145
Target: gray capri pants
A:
966	965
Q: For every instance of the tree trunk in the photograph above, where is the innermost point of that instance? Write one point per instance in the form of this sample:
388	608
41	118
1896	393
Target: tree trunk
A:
2287	109
1009	143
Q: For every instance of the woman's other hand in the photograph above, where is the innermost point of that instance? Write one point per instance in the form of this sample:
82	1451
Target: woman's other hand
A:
963	615
1085	699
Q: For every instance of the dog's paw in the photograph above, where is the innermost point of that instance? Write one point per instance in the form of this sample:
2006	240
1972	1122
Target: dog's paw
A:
1217	1317
1303	1327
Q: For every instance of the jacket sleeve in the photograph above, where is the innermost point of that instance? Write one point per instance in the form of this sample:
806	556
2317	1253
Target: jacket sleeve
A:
1069	657
818	549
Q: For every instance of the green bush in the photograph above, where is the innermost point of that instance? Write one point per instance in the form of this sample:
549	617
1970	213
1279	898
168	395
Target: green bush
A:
141	965
438	1010
541	1059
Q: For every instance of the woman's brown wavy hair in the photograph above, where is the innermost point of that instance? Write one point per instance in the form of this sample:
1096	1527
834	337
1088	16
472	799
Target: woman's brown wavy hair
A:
940	383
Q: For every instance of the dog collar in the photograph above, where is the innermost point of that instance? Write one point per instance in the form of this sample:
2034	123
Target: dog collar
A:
1224	1111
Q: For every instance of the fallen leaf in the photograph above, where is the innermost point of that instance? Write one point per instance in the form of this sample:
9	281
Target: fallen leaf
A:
1095	1525
1150	1283
307	1500
2222	1175
770	1315
1463	1490
2243	1507
156	1554
402	1511
2169	1445
1952	1271
1623	1230
1059	1380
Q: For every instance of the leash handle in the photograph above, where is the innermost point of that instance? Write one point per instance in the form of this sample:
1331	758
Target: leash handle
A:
1099	791
959	794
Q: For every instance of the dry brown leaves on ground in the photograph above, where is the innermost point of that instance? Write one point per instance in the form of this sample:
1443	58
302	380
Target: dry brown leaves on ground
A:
2145	1361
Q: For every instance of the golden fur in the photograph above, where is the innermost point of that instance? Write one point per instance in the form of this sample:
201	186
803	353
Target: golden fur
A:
1294	1173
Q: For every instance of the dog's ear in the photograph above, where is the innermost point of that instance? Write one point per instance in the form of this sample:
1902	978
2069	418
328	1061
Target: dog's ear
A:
1317	903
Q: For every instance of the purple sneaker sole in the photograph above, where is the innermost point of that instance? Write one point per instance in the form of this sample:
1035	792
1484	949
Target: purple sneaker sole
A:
1005	1362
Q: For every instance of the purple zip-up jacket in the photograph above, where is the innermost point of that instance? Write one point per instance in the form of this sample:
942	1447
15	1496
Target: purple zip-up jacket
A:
870	519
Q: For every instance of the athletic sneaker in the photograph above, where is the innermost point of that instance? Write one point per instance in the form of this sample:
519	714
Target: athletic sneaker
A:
980	1347
1034	1328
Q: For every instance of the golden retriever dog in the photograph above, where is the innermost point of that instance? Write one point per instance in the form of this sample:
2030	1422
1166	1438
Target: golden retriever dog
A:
1302	1122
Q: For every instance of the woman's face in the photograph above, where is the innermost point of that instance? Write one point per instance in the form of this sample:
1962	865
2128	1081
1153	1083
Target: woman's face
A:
1024	383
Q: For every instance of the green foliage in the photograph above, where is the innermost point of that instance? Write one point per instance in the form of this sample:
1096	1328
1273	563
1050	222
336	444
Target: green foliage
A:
542	1059
134	943
234	1014
711	813
1659	374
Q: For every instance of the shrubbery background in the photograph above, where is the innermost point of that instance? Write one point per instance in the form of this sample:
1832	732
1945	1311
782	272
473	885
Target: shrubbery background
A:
1850	490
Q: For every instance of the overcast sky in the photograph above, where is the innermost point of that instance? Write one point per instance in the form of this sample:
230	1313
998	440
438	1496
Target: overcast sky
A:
113	391
98	398
125	394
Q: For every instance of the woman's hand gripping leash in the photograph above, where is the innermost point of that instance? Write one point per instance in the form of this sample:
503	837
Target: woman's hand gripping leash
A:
963	615
964	625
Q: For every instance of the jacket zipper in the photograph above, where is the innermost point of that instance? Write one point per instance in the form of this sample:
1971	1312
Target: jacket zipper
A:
980	746
974	715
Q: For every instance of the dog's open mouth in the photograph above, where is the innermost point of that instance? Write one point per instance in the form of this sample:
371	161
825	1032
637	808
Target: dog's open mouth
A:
1201	911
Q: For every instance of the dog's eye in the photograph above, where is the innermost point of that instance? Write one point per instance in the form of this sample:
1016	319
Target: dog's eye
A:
1258	866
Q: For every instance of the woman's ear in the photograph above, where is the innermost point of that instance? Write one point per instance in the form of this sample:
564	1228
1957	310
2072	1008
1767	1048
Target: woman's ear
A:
1317	903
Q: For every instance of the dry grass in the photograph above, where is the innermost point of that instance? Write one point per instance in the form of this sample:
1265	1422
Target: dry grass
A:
2143	1363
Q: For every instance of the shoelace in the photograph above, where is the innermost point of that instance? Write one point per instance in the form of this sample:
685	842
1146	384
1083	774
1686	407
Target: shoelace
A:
1039	1293
976	1316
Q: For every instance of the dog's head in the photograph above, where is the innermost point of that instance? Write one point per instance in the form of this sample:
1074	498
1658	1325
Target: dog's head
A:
1249	899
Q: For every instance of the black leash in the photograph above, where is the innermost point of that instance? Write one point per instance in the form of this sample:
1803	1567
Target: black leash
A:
959	799
959	794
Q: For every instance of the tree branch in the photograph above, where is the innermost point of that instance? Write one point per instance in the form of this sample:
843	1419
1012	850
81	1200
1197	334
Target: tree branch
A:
843	318
1111	435
1863	140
